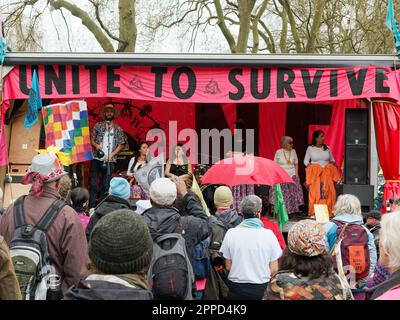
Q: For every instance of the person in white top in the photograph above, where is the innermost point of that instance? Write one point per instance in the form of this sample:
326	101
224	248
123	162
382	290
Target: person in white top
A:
318	151
137	162
292	193
320	183
287	157
251	253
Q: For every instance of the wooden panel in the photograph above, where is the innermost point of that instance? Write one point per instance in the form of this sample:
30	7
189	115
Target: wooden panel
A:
12	191
18	169
24	142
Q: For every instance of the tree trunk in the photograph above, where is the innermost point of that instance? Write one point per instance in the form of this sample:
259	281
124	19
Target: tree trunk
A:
224	28
284	32
316	25
127	25
293	26
245	9
256	38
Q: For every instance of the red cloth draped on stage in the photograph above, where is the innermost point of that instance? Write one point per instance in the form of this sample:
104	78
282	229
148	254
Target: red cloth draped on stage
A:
387	128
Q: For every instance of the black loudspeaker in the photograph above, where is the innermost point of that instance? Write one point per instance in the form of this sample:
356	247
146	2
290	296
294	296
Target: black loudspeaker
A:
356	153
365	193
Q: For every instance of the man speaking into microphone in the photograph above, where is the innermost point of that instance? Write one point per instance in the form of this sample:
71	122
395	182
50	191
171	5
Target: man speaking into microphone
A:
107	140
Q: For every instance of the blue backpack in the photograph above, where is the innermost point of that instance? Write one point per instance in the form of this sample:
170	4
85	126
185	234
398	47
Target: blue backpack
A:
202	263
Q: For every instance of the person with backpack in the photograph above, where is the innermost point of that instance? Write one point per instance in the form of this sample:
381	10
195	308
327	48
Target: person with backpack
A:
42	229
118	195
305	268
120	251
176	235
80	202
223	200
251	253
224	219
202	263
349	240
9	287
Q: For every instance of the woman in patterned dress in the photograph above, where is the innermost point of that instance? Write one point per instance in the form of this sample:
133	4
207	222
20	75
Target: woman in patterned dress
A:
292	193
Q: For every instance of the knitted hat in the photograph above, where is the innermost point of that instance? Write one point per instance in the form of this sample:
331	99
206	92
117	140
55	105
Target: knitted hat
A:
120	187
307	238
163	192
121	243
223	197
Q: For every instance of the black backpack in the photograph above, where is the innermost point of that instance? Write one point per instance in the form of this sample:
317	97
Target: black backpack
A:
171	275
218	227
29	250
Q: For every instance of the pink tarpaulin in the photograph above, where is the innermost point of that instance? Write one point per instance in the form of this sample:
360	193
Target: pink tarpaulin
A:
205	84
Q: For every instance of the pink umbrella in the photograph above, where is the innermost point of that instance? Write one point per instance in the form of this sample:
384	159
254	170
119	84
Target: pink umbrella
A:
246	170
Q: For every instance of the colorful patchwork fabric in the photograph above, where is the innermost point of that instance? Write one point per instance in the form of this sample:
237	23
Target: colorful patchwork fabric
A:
67	126
287	286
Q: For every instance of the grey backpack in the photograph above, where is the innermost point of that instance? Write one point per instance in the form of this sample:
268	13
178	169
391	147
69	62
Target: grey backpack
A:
171	275
29	250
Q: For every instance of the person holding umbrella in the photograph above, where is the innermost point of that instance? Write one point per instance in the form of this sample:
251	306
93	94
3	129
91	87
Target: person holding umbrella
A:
249	170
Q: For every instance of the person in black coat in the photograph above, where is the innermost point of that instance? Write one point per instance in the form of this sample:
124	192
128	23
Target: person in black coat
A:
120	252
163	218
119	193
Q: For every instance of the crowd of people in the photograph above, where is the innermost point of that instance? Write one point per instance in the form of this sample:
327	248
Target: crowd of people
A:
60	242
52	248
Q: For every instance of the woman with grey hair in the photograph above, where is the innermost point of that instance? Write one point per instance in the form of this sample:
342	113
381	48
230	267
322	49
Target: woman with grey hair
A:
286	157
347	229
390	258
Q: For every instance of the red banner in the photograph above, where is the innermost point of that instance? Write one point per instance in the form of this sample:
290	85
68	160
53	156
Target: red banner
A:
205	84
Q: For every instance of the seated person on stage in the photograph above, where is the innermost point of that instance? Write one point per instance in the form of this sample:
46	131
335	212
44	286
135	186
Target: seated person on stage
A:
137	162
321	174
178	163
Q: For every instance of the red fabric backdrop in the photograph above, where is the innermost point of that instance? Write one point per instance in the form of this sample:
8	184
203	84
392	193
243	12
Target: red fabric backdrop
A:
273	127
387	128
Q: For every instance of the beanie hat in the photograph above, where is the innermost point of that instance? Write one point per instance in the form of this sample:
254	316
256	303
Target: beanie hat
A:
121	243
307	238
223	197
120	187
163	192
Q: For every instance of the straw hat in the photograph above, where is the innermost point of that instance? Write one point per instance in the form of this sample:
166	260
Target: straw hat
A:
109	106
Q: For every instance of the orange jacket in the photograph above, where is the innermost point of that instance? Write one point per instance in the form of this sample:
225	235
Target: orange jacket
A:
321	183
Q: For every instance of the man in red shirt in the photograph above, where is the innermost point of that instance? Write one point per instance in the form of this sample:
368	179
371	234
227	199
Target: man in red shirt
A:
273	226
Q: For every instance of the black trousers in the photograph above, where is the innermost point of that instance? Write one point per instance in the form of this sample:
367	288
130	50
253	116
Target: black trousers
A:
246	291
97	172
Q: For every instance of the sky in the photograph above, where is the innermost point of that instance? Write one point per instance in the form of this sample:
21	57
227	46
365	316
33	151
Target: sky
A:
55	33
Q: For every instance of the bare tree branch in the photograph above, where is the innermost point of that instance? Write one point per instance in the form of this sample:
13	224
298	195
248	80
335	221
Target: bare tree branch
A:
86	21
